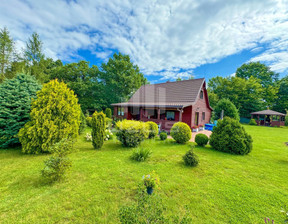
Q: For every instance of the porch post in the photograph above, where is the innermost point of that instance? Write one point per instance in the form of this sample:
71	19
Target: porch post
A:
141	113
180	114
158	114
258	120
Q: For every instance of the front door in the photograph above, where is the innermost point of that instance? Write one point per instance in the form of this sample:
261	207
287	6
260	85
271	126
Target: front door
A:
196	118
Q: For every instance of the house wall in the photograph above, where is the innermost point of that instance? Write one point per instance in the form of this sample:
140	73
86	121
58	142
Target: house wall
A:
186	115
200	106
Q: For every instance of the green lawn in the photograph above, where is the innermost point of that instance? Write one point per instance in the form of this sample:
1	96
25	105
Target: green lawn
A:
223	188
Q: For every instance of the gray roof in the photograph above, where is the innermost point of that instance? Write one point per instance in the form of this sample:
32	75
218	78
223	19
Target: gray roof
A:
268	112
172	94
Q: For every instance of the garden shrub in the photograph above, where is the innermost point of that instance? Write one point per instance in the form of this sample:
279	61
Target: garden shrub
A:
141	154
149	209
229	136
55	115
153	129
98	129
163	135
15	105
252	122
286	120
201	139
180	132
108	122
88	121
82	123
108	134
190	158
57	166
229	108
131	133
108	113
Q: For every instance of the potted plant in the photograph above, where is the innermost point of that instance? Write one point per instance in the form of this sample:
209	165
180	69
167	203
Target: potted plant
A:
151	181
201	127
195	128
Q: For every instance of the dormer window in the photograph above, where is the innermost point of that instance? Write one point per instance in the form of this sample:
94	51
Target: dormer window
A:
201	94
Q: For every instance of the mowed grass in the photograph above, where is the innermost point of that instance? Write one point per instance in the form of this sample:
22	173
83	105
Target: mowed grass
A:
223	188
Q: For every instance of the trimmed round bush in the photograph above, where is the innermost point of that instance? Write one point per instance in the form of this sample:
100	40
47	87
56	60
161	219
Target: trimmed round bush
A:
15	105
201	139
230	136
252	122
229	109
98	129
180	132
131	133
55	115
153	129
163	135
190	158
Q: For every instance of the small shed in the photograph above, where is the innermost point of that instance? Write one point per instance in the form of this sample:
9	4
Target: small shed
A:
269	118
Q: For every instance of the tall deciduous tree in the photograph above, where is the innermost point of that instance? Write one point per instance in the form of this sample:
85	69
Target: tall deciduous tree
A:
55	115
15	104
266	77
84	80
245	94
281	103
121	78
6	51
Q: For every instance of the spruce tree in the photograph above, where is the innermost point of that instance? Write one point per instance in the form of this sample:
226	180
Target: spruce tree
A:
15	105
55	115
98	129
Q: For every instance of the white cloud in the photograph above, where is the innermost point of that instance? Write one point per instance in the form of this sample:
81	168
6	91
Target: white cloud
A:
162	37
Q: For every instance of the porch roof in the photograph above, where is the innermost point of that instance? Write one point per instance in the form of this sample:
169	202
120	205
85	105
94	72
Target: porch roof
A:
153	104
268	112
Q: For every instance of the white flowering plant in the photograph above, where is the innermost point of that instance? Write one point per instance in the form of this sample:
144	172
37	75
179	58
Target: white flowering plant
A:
108	134
88	137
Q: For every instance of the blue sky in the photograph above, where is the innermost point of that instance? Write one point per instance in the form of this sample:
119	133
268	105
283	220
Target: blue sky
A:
165	38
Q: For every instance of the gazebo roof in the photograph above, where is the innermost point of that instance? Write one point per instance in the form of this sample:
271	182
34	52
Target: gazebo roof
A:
268	112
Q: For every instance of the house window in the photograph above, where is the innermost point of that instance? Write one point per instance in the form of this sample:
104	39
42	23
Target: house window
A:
120	111
170	115
203	116
201	94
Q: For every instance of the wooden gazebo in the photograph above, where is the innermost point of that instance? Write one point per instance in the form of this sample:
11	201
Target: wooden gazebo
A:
269	118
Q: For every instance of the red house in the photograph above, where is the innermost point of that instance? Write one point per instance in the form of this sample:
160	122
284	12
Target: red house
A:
168	103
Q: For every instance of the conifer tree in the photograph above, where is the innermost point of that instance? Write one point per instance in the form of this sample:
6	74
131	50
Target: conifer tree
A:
15	104
98	129
55	115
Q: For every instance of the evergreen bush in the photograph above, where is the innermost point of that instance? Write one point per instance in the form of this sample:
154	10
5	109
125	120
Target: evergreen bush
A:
229	136
108	113
229	109
201	139
131	133
98	129
153	129
88	121
57	166
180	132
55	115
252	122
190	158
82	123
163	135
15	105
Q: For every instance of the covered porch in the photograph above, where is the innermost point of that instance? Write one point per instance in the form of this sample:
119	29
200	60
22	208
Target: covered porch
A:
269	118
163	115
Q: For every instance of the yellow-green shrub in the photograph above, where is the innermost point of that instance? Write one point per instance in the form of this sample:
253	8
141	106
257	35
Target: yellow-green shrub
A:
131	133
180	132
55	115
153	129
